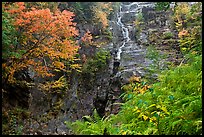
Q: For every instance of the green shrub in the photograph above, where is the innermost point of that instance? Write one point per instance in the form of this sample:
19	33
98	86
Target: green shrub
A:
12	121
97	63
157	61
162	5
9	36
168	35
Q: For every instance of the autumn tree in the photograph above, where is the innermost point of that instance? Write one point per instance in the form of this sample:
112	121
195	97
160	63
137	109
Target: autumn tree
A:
101	11
96	13
45	41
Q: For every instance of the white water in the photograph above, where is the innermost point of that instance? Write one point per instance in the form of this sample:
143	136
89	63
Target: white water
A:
124	32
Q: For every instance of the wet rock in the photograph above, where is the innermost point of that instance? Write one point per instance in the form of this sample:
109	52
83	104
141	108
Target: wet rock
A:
132	33
133	7
16	94
148	14
115	67
124	8
128	18
127	3
51	126
143	38
125	77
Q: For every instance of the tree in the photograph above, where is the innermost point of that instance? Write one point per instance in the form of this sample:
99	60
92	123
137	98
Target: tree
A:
8	35
101	11
46	39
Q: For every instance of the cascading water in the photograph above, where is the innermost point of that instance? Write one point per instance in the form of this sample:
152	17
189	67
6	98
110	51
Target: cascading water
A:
129	48
124	32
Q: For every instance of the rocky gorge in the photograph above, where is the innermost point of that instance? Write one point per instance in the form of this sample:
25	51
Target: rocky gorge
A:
46	113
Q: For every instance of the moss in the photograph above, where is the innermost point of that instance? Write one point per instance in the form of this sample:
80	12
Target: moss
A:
120	68
168	35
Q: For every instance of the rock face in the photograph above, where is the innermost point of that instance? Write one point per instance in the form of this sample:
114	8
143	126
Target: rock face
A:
17	94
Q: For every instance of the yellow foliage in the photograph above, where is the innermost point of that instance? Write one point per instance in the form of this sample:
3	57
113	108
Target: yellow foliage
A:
136	86
188	21
145	117
77	67
142	90
180	11
58	64
101	11
134	79
55	86
153	119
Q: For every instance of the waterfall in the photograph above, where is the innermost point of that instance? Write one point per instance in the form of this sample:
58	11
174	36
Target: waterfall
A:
129	55
124	32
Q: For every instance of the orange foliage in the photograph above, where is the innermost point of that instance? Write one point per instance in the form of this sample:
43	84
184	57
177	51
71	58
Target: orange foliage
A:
43	35
87	38
183	33
102	10
134	79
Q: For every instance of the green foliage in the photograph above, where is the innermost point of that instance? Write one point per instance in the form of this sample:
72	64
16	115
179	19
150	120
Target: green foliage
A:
108	34
152	53
115	6
172	106
42	5
189	74
9	36
90	125
140	17
162	5
97	63
83	10
181	90
139	22
168	35
156	57
12	121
